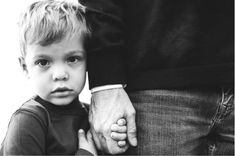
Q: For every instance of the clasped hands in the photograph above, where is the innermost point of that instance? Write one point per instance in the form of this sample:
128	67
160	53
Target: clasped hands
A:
112	120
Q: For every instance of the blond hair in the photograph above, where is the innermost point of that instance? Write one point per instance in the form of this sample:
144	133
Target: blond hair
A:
49	21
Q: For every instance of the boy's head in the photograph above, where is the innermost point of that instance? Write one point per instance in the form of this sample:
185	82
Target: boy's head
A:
52	38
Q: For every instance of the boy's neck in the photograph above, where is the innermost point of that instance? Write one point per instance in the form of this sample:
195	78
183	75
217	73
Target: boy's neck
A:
74	106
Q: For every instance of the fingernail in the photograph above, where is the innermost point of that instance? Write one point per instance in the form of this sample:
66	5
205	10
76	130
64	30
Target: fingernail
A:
80	131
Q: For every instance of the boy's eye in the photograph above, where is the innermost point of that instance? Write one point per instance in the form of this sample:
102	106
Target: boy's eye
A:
73	59
42	63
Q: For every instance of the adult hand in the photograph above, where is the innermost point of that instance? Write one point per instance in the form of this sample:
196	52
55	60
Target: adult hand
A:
107	107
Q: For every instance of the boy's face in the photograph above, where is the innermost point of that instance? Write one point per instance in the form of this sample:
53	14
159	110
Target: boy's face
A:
57	71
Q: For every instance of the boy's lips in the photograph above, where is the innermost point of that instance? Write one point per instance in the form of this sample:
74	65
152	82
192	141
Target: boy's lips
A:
61	92
61	89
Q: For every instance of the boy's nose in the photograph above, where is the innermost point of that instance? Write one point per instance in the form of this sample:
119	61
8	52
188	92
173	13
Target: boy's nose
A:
60	75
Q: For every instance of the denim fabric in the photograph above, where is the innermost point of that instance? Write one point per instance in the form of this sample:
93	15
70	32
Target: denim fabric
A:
184	122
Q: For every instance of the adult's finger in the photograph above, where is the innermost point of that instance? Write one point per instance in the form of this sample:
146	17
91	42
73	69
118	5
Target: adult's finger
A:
89	136
96	139
131	130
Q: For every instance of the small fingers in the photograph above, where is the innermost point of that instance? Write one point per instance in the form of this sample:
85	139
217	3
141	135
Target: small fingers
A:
118	136
121	122
121	143
118	129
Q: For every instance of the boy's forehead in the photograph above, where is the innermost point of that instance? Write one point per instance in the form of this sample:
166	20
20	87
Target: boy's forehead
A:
65	46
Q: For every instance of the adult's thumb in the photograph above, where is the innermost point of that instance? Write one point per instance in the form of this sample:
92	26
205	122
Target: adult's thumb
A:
131	130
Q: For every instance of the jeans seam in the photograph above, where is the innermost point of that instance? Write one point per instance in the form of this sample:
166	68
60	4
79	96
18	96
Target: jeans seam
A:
224	108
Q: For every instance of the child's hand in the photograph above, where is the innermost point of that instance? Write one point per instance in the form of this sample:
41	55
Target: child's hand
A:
86	141
119	132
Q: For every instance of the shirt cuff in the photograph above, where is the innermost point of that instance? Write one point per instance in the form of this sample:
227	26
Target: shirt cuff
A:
107	87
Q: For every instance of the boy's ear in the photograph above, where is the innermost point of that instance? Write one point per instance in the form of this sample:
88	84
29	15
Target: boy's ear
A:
23	65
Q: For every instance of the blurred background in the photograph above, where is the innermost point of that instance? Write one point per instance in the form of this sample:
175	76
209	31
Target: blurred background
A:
14	89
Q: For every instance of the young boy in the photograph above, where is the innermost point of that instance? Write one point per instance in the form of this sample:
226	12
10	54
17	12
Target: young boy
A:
52	38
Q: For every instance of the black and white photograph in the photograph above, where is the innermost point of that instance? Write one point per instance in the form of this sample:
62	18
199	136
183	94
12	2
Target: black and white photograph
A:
117	77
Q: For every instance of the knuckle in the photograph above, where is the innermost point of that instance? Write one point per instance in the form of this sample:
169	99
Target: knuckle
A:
105	128
132	113
97	127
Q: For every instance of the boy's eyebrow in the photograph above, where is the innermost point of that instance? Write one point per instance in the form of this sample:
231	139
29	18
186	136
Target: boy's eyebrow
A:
41	56
72	52
76	51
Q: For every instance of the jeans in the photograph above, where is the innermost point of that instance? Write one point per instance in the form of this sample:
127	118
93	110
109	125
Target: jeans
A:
184	122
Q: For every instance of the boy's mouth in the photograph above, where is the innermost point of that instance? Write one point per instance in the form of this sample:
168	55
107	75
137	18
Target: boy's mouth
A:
61	90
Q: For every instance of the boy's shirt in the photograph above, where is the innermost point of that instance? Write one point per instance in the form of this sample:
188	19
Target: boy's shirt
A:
42	128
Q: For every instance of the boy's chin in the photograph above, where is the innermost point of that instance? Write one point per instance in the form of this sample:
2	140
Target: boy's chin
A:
61	101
